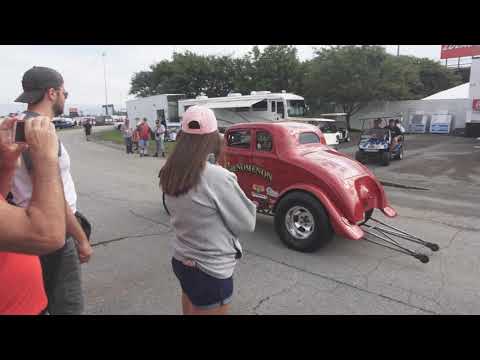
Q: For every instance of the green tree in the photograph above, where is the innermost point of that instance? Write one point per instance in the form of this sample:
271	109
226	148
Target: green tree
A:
276	68
349	76
435	77
186	73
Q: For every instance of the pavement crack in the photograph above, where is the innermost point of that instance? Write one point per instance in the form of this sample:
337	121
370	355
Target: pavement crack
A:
151	220
124	237
453	238
339	282
269	297
380	262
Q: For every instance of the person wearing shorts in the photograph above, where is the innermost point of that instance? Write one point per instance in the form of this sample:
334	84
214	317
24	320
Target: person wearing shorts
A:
208	211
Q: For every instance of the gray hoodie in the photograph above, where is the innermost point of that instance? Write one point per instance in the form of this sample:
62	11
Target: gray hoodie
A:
208	220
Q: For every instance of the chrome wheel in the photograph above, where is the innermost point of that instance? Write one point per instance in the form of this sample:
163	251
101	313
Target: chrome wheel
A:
299	222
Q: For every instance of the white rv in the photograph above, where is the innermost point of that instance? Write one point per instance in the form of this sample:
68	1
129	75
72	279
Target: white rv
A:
163	107
257	107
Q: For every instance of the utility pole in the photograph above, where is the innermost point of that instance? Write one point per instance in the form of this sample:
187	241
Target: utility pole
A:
104	54
398	50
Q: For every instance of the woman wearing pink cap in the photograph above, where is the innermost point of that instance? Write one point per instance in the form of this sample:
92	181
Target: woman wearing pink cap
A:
208	211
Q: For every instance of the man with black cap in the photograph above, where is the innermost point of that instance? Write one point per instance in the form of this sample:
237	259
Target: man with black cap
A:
44	92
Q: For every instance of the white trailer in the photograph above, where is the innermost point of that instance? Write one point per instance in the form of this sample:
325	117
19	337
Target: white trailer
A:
163	107
472	123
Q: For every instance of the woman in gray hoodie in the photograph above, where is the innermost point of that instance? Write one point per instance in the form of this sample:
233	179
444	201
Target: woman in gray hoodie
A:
208	211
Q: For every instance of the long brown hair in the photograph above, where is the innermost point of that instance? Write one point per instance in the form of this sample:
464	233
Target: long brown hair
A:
184	166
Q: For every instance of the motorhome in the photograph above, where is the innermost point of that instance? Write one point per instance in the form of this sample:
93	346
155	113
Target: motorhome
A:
259	106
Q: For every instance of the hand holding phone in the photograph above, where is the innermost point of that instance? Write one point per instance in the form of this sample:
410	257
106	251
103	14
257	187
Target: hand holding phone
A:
41	138
9	150
19	132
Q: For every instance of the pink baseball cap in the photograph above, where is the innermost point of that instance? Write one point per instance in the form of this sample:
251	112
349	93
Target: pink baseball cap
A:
205	118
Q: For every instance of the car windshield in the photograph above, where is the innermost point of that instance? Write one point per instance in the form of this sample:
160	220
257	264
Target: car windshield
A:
296	108
329	129
377	133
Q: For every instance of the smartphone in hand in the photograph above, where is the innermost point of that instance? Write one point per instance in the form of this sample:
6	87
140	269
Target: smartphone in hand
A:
19	132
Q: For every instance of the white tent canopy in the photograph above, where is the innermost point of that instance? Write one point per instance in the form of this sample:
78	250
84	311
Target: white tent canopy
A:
457	92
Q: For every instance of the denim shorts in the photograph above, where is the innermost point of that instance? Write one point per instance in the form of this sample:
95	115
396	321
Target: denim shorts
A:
203	290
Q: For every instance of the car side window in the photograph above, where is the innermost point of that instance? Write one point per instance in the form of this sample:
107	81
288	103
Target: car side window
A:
264	141
308	138
239	139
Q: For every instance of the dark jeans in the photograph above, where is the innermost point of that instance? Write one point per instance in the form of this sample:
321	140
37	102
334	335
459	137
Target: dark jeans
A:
159	147
63	280
128	144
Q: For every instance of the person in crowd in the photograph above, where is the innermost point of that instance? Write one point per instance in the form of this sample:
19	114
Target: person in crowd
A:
88	129
45	95
159	133
144	133
208	211
136	136
37	229
127	136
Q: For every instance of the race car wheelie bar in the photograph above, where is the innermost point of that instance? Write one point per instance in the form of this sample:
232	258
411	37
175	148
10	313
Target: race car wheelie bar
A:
391	235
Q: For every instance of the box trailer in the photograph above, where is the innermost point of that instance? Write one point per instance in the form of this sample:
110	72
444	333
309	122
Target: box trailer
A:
162	107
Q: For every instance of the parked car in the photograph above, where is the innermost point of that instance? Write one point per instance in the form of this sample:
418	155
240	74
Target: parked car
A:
104	120
62	123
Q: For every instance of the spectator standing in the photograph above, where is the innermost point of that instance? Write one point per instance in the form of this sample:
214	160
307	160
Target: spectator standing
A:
159	134
208	211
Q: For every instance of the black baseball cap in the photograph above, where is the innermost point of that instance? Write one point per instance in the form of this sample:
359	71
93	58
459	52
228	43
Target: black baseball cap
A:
36	81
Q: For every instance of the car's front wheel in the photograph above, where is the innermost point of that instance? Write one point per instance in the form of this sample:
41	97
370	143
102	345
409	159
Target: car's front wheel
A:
359	157
302	223
385	158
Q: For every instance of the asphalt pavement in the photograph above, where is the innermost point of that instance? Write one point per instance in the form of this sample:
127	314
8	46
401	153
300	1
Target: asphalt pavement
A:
130	272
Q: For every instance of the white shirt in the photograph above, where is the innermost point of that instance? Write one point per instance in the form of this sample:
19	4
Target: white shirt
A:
22	184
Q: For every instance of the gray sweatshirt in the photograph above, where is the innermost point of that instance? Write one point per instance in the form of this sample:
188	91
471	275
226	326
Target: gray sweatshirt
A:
208	220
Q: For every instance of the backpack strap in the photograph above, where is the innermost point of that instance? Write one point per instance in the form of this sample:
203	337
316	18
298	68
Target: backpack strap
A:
27	158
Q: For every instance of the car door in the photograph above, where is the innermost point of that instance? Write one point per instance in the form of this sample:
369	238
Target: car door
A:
264	185
238	156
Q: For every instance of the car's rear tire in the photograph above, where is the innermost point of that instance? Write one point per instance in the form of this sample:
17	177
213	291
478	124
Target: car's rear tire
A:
385	158
400	154
302	222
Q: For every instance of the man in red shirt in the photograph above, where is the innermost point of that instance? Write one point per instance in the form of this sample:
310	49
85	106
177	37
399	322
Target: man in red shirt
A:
36	230
144	137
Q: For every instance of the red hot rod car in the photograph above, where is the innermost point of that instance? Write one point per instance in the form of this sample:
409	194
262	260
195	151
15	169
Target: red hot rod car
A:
312	190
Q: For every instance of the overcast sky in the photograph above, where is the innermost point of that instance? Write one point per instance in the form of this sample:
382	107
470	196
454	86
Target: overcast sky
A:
83	71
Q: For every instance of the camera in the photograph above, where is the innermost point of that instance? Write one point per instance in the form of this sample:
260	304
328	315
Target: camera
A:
19	131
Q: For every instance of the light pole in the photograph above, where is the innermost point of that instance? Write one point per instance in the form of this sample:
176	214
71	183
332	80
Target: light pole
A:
104	54
398	50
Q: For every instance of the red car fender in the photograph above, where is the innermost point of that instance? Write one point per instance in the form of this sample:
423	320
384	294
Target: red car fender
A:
340	224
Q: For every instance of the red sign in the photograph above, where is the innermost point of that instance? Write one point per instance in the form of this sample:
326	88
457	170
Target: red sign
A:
476	105
455	51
